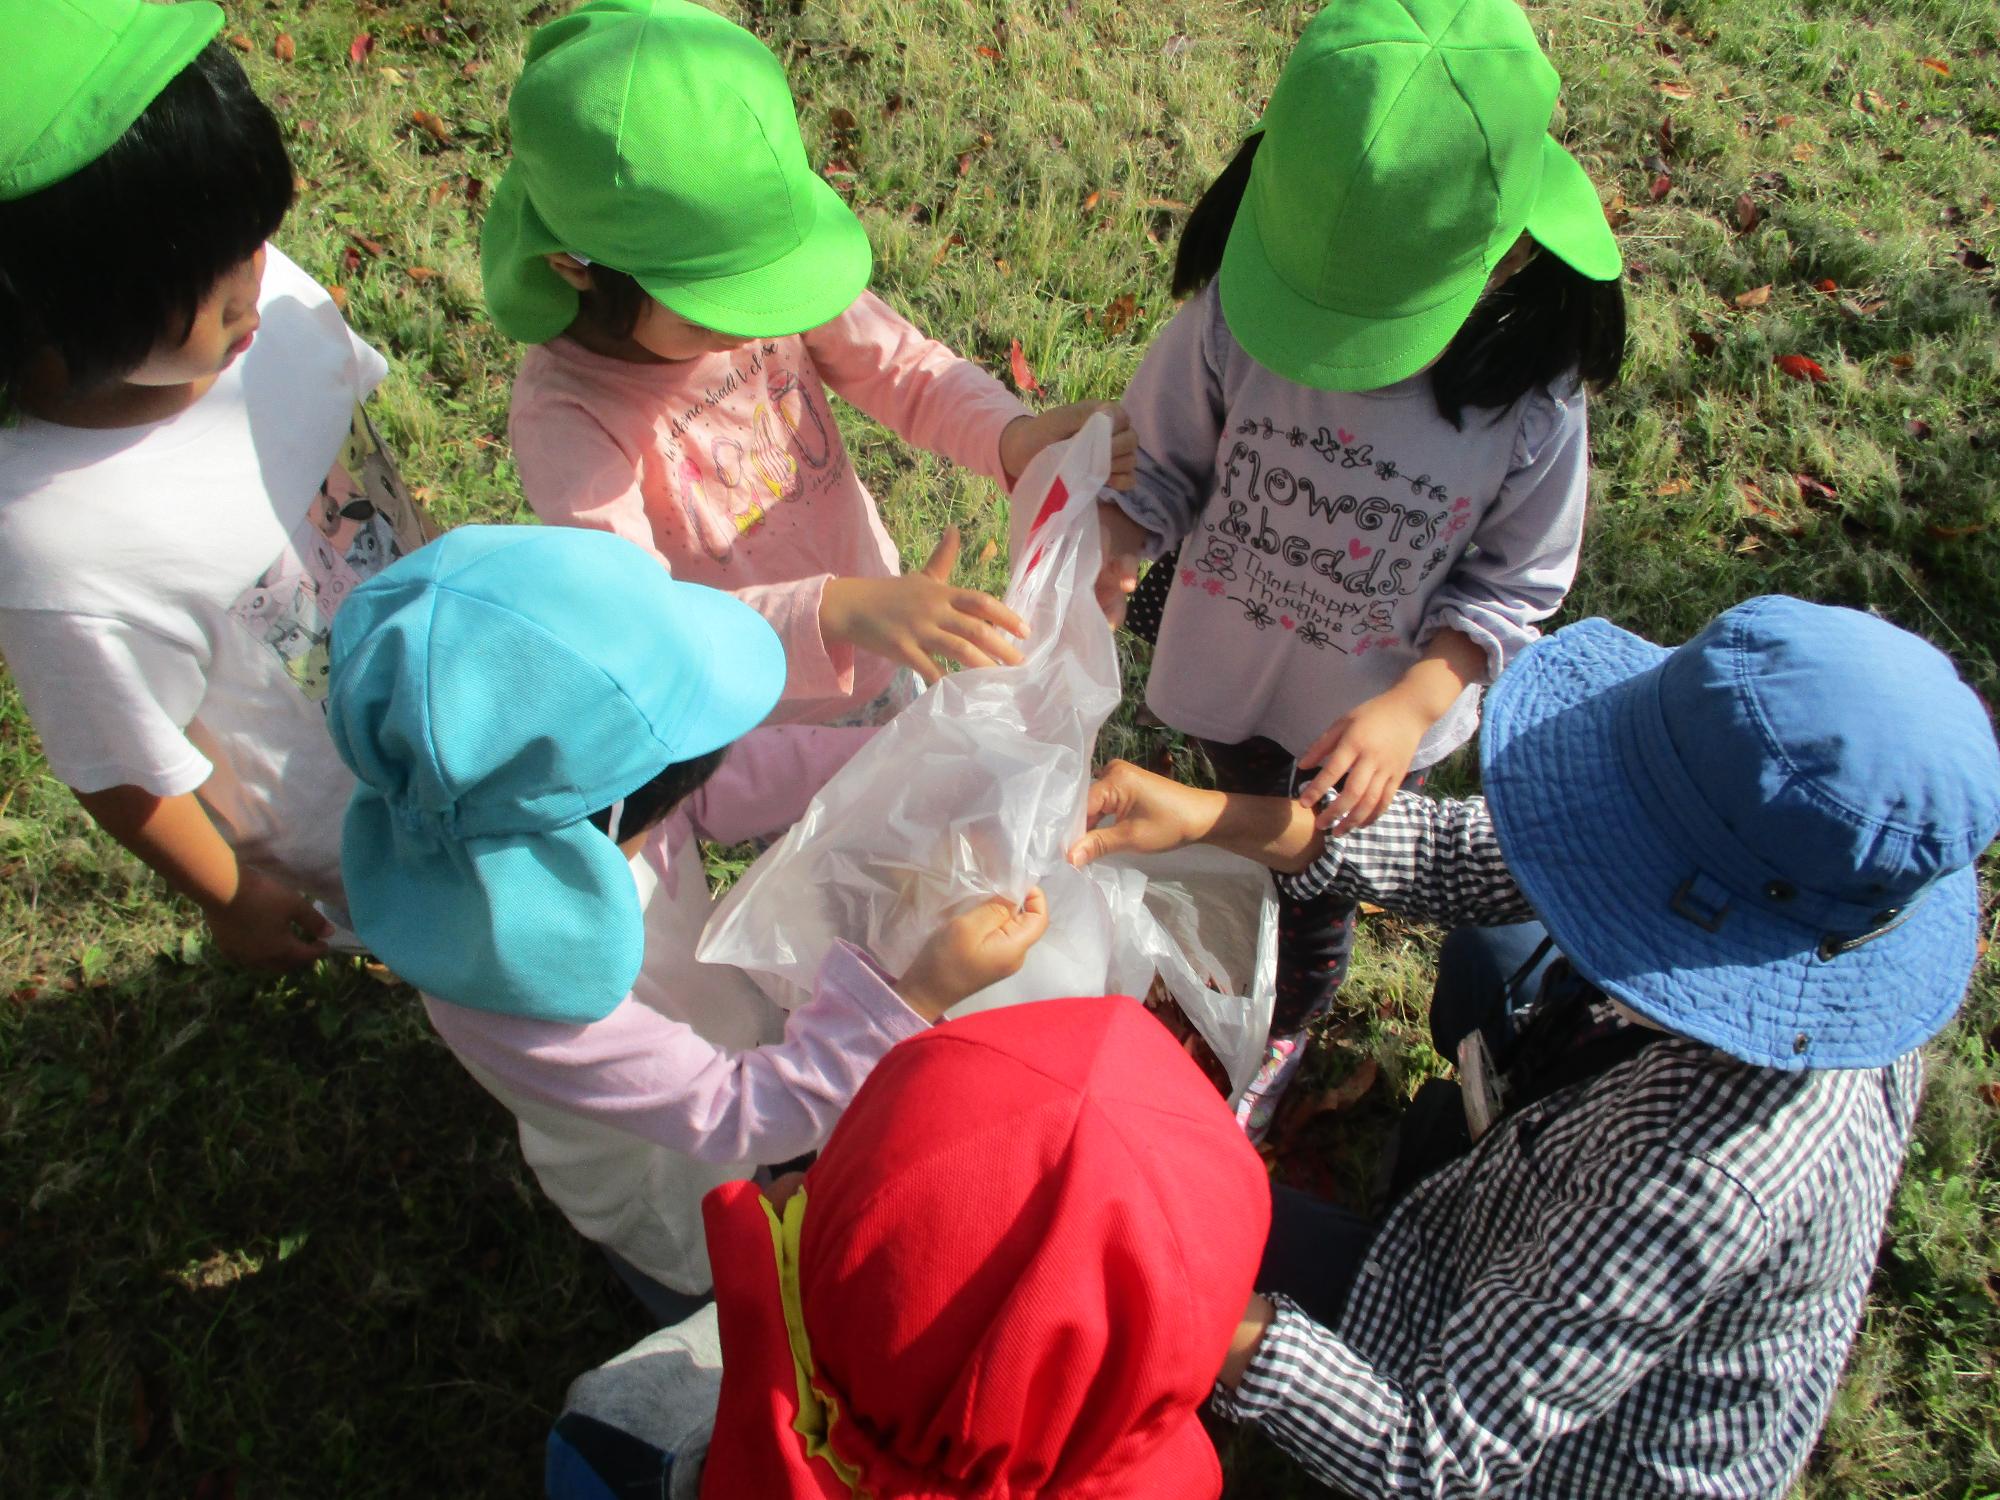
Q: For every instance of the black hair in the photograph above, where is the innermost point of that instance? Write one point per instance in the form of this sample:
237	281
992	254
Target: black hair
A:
614	302
1546	321
115	259
648	804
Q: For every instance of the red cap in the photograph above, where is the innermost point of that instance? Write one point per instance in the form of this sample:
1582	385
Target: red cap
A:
1023	1254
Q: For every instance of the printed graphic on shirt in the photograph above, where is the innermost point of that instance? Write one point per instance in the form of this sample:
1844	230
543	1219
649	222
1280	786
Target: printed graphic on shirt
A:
728	483
1317	535
361	520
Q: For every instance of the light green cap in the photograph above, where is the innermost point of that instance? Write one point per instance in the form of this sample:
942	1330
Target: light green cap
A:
1405	149
75	74
657	138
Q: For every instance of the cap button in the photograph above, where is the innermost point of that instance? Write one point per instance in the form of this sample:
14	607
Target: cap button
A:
1801	1042
1780	890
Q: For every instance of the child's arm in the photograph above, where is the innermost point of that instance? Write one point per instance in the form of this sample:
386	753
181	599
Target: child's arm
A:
1521	561
1175	403
657	1078
1372	747
256	920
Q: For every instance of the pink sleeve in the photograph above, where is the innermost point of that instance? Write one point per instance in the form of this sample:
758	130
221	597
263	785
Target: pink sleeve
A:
574	472
768	777
920	389
814	666
661	1080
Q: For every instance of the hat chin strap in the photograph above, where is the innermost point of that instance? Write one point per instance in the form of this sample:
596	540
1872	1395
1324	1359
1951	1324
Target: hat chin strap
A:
817	1410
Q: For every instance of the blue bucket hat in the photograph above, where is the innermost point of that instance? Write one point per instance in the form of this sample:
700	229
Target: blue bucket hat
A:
491	691
1764	839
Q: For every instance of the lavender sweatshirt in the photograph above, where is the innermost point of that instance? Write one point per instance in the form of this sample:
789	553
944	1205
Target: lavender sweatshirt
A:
1326	536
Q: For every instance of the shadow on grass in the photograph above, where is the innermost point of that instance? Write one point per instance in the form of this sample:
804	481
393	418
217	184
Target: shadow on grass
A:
271	1236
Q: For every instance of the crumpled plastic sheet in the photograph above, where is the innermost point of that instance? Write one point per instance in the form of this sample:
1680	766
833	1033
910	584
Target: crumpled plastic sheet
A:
979	787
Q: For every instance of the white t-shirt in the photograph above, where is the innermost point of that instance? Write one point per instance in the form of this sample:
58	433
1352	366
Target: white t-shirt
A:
166	591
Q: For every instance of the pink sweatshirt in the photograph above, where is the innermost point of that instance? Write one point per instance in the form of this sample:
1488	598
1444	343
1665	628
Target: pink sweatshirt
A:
730	467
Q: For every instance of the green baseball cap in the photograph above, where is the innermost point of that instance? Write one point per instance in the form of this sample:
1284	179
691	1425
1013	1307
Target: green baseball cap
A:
79	72
1405	149
658	139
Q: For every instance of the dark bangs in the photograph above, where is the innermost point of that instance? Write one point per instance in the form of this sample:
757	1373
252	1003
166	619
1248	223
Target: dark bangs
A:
116	258
646	805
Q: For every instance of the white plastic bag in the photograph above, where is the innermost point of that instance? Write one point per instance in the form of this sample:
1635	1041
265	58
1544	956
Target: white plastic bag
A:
980	786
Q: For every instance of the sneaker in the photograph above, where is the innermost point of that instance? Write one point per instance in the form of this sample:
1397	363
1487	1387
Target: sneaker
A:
1259	1105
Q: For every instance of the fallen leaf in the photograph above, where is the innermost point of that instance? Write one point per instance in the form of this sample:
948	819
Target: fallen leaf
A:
991	54
474	186
1747	213
937	259
239	41
1971	259
1826	284
842	120
1662	185
1814	489
964	162
1758	505
1704	343
1615	213
1024	378
374	247
395	77
1955	533
350	260
1857	310
1917	428
1667	136
1800	368
990	551
431	125
1342	1096
1673	88
1804	151
1783	120
471	69
1091	202
421	273
1120	313
1672	487
1757	296
284	48
438	193
1990	1092
359	48
339	295
1937	65
1902	361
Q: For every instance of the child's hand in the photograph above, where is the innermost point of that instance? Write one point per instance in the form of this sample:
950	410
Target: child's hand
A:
971	951
1149	814
1124	542
260	925
1372	748
919	615
1024	437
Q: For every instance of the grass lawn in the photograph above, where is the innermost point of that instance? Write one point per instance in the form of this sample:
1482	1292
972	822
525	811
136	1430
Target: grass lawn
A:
268	1239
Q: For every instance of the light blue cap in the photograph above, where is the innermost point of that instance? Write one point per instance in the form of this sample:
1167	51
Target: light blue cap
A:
491	691
1763	839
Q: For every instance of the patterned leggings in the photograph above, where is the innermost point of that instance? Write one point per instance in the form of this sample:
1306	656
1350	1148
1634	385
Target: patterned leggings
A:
1315	935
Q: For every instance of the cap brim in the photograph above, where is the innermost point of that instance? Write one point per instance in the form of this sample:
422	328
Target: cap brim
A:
813	284
1559	755
541	925
1317	346
1568	220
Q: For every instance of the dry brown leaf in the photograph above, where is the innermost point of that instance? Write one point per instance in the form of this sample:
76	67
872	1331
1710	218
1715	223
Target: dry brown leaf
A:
1120	313
431	125
284	48
1661	186
1673	88
1747	213
1937	65
1902	361
990	551
1804	151
1757	296
1672	487
239	41
421	273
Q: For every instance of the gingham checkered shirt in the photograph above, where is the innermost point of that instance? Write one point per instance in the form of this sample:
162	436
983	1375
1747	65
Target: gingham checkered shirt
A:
1644	1284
